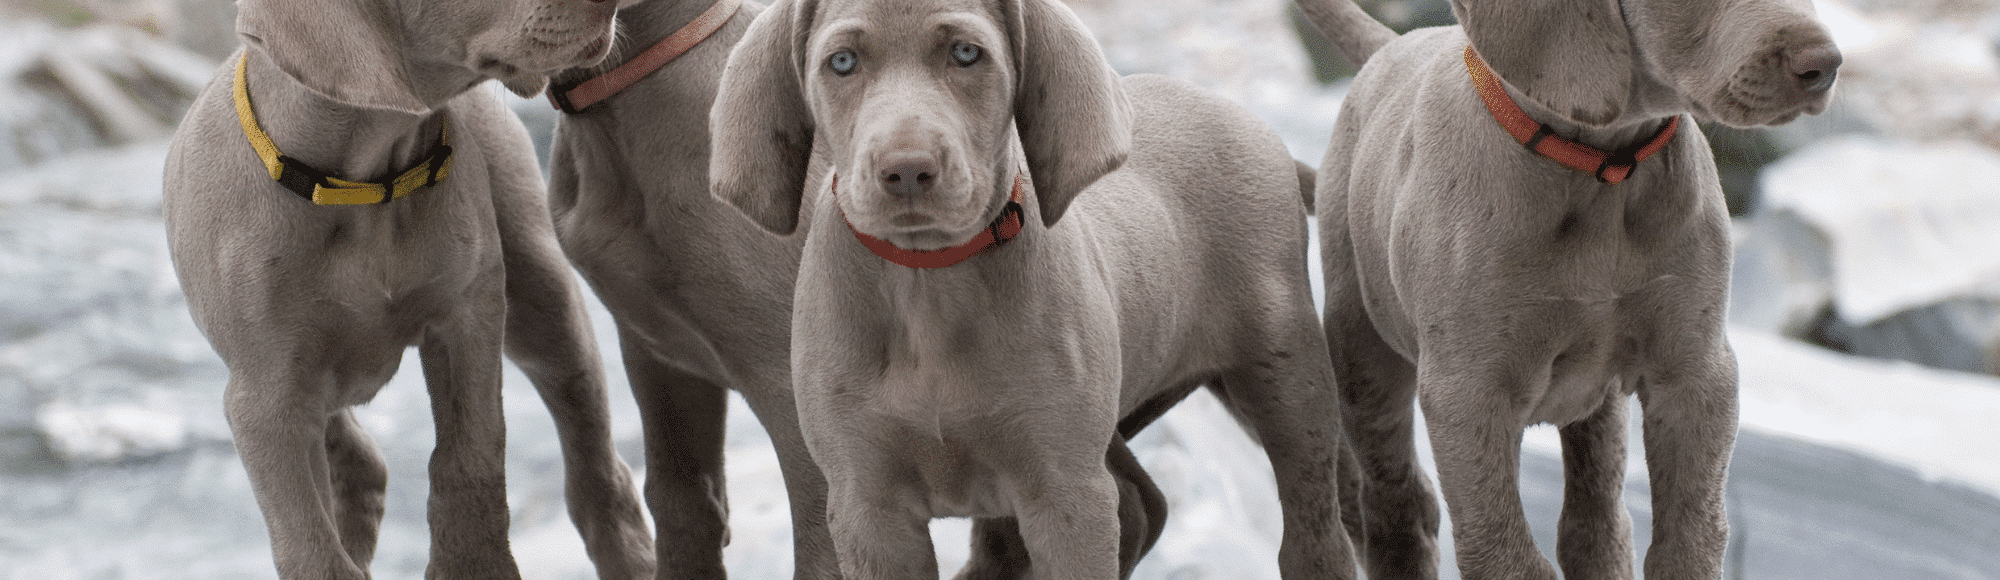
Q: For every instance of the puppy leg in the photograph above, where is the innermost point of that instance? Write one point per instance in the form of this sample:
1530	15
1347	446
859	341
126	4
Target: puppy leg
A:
879	527
280	427
549	338
1068	511
1142	509
1290	399
683	419
812	545
360	478
998	552
1690	427
1475	431
1398	515
468	503
1594	536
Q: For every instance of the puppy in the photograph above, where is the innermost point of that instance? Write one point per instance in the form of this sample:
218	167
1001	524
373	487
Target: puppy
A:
959	346
1520	223
310	281
703	298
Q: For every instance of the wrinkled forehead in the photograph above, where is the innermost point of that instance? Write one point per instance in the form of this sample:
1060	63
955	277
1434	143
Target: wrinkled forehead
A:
890	22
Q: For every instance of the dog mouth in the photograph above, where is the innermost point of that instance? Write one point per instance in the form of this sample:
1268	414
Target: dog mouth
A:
914	229
911	220
1745	107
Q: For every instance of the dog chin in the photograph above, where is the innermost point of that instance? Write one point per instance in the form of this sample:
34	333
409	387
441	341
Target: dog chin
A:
525	86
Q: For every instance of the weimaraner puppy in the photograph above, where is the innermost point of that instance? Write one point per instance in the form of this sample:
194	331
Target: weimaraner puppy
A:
1007	249
703	298
311	283
1520	224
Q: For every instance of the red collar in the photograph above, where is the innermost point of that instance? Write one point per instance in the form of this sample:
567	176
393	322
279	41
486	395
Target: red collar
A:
1003	228
1608	167
577	96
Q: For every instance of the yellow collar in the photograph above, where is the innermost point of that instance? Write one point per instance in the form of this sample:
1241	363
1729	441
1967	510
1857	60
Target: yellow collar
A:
323	189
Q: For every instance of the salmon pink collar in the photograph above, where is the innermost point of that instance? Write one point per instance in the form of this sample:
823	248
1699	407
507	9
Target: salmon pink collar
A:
1004	228
573	97
1608	167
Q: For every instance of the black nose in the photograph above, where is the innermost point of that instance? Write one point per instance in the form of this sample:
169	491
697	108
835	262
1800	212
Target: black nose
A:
1814	67
908	174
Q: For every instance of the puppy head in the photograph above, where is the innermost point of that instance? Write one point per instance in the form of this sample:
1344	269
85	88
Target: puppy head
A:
1741	62
916	106
409	55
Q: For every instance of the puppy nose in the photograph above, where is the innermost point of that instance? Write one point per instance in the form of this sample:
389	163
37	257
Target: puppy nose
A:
1814	67
908	174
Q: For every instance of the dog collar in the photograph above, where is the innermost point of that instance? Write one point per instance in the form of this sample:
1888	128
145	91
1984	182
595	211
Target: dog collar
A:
322	189
580	95
1003	228
1608	167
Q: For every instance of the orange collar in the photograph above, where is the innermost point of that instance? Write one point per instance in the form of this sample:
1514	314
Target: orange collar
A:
1608	167
1003	228
577	96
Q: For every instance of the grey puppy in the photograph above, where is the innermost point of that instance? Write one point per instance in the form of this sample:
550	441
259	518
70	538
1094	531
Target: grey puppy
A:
994	387
1536	250
703	298
451	249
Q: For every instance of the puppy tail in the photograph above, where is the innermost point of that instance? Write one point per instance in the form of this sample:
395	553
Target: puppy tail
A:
1342	21
1307	178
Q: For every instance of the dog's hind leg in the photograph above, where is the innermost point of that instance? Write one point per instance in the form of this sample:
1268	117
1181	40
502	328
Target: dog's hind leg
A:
1397	510
1142	509
1289	398
360	478
283	443
468	502
549	338
813	556
684	422
998	552
1594	536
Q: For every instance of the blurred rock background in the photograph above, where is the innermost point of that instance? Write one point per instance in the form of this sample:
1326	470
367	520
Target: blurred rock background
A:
1872	230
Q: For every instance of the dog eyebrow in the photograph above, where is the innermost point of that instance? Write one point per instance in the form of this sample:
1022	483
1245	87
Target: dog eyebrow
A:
965	25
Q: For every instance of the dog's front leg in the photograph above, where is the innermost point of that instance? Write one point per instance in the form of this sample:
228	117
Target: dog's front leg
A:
998	552
1475	421
281	433
1690	427
1068	513
468	503
879	519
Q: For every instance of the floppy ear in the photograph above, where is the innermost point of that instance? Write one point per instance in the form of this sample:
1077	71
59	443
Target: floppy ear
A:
1074	122
1572	56
348	50
761	132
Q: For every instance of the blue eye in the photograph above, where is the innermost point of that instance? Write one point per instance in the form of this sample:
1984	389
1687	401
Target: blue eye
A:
965	53
842	62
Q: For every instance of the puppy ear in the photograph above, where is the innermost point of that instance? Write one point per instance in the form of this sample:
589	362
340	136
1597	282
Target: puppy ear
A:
348	50
761	132
1074	122
1572	56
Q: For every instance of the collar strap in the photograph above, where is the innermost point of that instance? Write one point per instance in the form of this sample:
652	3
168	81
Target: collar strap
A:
322	189
1004	228
1608	167
580	95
